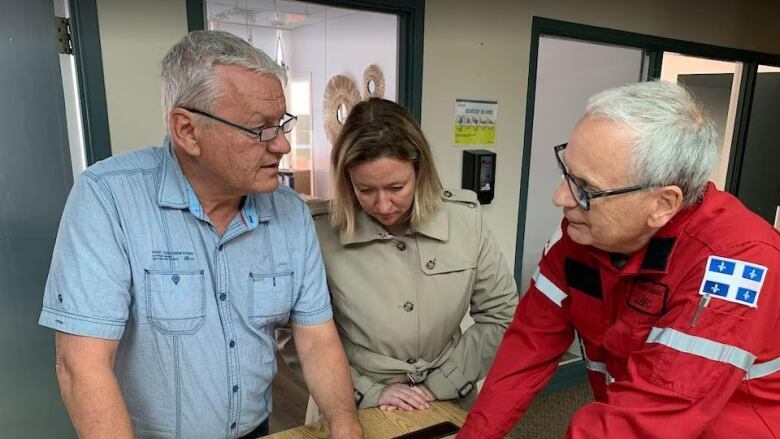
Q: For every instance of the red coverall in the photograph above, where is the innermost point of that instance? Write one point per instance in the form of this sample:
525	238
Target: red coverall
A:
656	369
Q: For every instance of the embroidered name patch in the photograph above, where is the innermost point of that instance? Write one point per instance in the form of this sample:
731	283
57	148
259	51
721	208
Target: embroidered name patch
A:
733	280
648	297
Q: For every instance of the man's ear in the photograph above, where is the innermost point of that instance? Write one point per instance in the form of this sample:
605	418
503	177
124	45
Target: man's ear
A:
668	201
184	132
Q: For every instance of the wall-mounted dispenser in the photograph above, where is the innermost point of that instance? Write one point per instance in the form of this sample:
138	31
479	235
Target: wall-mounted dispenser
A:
479	173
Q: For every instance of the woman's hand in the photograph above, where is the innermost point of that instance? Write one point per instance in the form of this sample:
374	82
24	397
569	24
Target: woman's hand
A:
405	397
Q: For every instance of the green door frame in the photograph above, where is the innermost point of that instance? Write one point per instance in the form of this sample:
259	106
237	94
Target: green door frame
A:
653	47
411	15
89	72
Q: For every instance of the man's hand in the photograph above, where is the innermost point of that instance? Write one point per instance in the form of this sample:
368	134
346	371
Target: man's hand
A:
327	376
405	397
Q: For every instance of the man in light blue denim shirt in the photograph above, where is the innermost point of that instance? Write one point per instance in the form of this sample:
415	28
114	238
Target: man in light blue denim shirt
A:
173	266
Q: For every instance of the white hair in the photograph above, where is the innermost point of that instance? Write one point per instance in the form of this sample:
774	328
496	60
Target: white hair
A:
187	69
675	142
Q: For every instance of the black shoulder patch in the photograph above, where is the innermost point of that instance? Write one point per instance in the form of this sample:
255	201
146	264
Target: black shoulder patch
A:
583	278
657	254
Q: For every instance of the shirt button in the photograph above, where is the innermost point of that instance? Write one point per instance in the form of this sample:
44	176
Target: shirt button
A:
232	344
408	306
220	247
401	246
430	264
235	389
222	297
233	426
447	194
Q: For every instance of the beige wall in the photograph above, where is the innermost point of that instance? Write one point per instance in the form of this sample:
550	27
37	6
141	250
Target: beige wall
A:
472	49
134	36
481	50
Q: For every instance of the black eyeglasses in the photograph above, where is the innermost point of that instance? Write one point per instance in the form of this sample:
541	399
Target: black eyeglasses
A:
263	133
582	195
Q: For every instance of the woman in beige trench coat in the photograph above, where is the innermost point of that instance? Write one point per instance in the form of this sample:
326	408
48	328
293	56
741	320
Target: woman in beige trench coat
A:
405	262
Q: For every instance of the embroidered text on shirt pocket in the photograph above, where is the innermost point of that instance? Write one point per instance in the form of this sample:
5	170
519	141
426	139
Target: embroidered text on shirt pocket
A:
175	300
271	298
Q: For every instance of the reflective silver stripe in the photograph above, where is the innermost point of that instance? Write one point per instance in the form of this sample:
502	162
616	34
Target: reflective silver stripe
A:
760	370
702	347
595	366
548	288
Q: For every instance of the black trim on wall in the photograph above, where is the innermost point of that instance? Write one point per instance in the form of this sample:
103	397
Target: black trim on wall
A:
196	15
595	34
89	70
411	18
565	376
530	104
747	86
655	62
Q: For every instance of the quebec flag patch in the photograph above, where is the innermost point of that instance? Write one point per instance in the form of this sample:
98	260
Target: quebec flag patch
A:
733	280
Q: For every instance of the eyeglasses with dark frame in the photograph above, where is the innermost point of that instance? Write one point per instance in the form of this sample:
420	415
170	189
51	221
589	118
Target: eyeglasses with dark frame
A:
582	195
263	133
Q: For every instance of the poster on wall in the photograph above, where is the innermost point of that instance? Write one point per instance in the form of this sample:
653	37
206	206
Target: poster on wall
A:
475	122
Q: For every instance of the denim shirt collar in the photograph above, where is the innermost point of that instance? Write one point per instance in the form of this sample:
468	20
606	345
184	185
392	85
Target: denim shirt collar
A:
176	192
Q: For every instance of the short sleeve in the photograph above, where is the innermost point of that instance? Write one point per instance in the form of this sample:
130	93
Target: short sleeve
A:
88	288
312	305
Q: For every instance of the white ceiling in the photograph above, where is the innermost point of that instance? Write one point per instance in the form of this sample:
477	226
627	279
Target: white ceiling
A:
276	14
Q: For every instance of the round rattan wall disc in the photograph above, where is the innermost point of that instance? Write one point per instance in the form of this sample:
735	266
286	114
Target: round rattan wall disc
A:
373	82
339	98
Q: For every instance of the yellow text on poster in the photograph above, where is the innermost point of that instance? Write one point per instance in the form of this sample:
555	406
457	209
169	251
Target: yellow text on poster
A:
475	135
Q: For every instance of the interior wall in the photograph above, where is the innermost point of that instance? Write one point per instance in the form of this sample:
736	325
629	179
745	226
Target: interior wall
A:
470	50
482	50
134	37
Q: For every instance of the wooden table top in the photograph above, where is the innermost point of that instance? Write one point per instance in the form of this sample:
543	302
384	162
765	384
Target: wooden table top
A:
378	424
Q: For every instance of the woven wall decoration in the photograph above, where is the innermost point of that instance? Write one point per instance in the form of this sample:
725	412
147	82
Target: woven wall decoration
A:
339	98
373	82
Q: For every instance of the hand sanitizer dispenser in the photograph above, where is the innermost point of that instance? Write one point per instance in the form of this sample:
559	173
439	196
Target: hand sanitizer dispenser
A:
479	173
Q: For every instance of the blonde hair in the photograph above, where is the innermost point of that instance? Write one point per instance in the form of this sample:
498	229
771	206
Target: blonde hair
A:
375	129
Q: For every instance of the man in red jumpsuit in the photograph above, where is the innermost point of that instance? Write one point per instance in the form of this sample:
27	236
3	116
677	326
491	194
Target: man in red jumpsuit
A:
671	284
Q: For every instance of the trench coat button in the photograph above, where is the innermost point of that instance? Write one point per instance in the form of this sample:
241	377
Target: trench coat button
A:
408	306
430	264
411	360
447	194
400	245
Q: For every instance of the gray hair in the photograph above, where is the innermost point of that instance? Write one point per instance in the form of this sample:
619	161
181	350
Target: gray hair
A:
187	69
675	142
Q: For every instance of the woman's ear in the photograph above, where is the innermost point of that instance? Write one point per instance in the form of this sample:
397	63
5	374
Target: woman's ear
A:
667	202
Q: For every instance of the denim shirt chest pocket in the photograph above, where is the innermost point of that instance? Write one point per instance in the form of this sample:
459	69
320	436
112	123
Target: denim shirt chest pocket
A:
271	298
175	300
